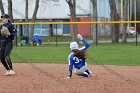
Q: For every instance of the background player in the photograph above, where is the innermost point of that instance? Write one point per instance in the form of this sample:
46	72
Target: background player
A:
78	59
37	40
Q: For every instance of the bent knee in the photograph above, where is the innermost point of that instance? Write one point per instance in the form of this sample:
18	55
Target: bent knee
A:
7	57
85	74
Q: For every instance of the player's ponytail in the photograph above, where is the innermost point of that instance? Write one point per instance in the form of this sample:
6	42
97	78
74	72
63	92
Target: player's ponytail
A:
80	54
9	21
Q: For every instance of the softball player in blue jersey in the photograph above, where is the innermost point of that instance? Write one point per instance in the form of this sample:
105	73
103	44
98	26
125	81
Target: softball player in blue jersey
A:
78	59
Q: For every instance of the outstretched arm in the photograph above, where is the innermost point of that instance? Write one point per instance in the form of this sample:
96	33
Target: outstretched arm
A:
86	44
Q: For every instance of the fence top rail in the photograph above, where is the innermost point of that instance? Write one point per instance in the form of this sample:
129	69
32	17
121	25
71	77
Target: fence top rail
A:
100	22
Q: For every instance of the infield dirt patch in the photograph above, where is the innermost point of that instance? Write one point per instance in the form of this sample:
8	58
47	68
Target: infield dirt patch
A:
50	78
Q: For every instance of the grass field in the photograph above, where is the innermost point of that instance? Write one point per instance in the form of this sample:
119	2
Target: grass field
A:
69	38
114	54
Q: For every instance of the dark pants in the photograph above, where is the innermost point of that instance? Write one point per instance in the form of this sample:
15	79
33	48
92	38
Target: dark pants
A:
6	48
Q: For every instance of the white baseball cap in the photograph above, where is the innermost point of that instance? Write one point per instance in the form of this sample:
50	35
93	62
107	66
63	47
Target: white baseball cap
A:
73	45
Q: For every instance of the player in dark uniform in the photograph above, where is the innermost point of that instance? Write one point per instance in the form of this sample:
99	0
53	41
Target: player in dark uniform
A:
7	44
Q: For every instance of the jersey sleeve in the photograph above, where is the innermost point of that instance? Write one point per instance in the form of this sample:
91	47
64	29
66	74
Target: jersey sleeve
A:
0	30
86	45
70	60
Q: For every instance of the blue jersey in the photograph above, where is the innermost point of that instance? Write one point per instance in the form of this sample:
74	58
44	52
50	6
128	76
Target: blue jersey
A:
76	62
36	38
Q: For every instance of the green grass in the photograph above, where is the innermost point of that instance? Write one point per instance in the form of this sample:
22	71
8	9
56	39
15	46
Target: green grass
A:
114	54
69	38
47	54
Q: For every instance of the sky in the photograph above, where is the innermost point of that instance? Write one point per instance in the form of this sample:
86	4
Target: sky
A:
60	9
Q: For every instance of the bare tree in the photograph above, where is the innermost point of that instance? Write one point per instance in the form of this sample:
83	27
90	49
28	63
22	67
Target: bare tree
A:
1	7
26	17
10	13
114	17
95	17
72	7
125	9
33	19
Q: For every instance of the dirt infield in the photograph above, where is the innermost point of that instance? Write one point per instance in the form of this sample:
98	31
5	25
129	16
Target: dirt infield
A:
49	78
